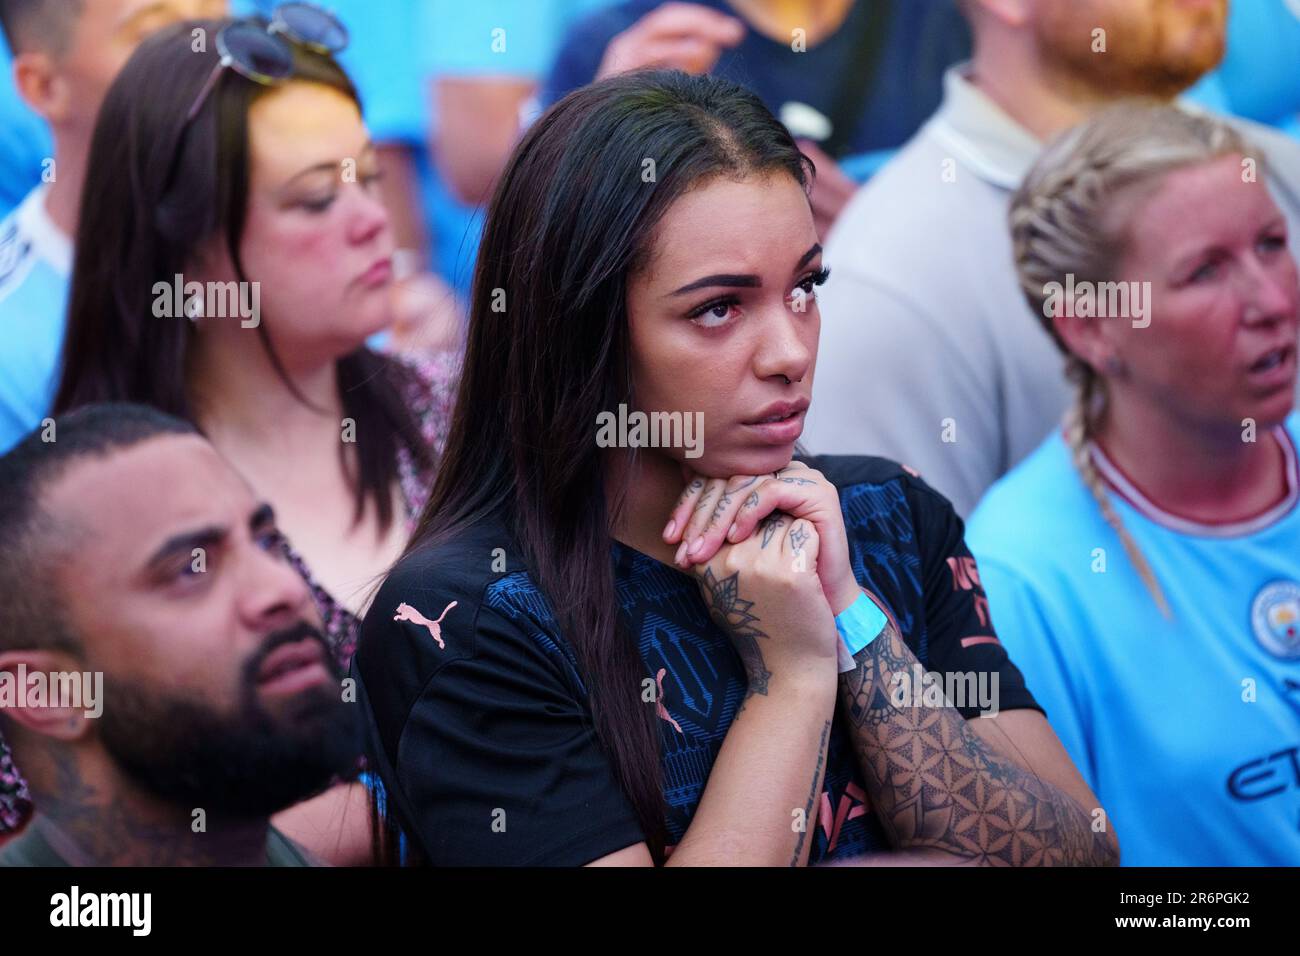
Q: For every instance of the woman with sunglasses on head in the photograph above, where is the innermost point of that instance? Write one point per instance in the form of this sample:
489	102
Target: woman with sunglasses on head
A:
543	686
232	154
1144	562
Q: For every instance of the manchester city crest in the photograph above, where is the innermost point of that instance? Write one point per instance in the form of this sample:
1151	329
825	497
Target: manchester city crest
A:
1275	618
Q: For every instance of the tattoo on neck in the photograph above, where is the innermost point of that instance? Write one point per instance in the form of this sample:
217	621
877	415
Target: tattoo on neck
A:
108	832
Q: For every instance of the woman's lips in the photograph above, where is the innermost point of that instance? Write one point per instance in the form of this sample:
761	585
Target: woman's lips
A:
783	432
378	274
1275	369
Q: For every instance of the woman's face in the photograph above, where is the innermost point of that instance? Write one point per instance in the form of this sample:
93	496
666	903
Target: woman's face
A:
724	313
317	236
1224	304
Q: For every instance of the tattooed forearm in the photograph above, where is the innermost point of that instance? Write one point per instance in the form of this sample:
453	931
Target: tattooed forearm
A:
935	784
813	788
731	613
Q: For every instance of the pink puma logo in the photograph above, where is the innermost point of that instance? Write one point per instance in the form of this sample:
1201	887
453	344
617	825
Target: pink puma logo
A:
660	709
407	613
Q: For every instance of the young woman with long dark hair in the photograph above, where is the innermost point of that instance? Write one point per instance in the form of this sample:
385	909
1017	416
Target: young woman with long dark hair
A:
542	685
233	154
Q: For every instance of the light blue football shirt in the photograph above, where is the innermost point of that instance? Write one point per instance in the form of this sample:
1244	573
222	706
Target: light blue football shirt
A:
35	268
1187	730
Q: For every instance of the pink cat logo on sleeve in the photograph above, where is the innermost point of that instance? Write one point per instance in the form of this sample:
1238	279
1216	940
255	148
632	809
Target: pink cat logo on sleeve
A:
660	709
407	613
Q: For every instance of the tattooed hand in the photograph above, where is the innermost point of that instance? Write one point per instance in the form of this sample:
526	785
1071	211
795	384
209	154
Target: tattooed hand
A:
713	511
764	592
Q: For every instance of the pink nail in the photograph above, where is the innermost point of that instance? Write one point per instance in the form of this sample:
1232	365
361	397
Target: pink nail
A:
668	531
731	531
681	549
696	546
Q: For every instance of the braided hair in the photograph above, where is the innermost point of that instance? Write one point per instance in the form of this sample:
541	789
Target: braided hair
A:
1069	218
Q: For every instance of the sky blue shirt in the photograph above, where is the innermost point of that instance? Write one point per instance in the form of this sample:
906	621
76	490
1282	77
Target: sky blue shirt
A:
35	268
1187	730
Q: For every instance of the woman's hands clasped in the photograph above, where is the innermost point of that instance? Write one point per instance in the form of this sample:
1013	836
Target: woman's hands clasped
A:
713	513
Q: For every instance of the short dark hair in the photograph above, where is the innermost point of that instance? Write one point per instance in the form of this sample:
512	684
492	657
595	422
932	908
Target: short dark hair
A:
29	535
45	25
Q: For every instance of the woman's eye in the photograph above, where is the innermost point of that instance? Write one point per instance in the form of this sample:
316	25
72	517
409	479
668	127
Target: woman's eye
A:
1272	243
1204	273
809	283
712	315
317	204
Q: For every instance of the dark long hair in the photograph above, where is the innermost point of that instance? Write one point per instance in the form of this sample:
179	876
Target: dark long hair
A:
571	220
156	189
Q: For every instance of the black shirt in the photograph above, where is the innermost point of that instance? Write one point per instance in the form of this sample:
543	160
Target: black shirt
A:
486	747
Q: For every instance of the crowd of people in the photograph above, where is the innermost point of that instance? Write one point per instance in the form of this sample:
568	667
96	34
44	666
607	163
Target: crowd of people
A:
313	547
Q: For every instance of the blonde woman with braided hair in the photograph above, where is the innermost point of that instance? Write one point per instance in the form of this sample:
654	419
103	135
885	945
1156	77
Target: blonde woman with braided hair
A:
1143	565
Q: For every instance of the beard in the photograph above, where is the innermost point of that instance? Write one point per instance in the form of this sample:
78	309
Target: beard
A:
1155	49
245	764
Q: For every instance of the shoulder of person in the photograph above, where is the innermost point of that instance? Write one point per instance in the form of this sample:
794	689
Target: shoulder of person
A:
428	377
29	849
852	472
442	603
281	851
845	470
428	387
885	501
1030	514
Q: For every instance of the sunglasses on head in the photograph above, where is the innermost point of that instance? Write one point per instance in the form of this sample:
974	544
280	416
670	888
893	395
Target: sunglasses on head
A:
262	53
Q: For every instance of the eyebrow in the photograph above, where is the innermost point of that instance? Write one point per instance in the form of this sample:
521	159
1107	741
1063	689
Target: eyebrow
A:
742	281
207	537
1183	260
186	542
328	167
